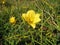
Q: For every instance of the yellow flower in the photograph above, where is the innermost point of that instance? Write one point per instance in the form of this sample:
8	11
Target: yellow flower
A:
12	20
3	1
31	17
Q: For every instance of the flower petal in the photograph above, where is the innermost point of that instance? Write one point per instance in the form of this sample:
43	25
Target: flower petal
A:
24	15
33	25
31	13
37	19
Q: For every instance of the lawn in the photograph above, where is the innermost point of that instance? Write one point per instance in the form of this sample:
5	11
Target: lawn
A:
29	22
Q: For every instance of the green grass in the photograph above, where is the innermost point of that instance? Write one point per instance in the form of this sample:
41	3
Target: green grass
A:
47	32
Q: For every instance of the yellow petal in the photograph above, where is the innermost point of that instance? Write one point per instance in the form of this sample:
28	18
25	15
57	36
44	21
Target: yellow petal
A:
26	17
37	19
31	13
33	25
23	15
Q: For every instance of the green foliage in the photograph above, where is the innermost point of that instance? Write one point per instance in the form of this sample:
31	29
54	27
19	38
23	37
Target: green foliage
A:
47	32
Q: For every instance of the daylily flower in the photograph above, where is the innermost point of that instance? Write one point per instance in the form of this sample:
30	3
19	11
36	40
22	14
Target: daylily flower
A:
31	17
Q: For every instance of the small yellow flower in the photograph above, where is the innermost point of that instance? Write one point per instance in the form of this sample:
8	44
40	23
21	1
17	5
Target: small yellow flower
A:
12	20
3	1
31	17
